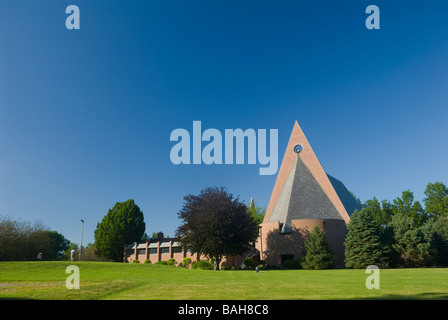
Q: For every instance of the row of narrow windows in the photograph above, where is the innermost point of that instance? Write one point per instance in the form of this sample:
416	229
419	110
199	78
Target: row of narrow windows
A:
154	250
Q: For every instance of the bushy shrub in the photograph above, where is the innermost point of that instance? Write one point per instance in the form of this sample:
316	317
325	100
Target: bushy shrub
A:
202	264
162	262
136	261
171	262
186	262
147	261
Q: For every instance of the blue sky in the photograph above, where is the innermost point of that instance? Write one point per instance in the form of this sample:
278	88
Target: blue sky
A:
86	115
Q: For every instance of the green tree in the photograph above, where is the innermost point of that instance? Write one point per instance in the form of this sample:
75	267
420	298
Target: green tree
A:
156	235
408	207
122	224
54	245
257	213
410	245
89	253
363	245
436	233
381	212
67	253
436	200
317	253
216	224
23	241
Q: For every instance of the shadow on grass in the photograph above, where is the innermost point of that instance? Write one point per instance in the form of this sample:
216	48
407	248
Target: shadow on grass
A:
418	296
15	298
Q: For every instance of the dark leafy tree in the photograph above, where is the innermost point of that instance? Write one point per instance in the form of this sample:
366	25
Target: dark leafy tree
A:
216	224
363	245
317	253
436	233
122	224
23	241
51	243
410	246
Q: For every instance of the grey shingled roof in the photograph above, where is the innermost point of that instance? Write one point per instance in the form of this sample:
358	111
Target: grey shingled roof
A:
303	198
347	199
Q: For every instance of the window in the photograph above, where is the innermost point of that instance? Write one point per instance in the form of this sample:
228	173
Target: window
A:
165	250
153	251
177	249
141	251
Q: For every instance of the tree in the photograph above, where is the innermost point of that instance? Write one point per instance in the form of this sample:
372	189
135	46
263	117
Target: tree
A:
410	208
436	200
317	253
363	245
381	212
410	245
89	252
23	241
15	241
122	224
53	245
216	224
436	233
257	213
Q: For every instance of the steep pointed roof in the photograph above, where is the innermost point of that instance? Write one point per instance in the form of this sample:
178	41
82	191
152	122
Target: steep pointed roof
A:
303	190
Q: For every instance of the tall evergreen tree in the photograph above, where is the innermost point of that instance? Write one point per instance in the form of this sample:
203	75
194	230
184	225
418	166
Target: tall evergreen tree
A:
363	246
122	224
317	253
257	213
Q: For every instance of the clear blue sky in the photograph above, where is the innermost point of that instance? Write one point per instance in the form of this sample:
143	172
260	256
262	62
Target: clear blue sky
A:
86	115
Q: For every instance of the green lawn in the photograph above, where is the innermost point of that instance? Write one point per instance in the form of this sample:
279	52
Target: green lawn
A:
103	280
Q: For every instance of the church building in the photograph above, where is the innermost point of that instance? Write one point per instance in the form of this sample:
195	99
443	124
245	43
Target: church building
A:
304	196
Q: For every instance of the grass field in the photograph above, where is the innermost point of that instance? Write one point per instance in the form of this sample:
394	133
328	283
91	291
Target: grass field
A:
103	280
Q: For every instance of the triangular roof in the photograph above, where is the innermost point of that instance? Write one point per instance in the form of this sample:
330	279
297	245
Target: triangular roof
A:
303	190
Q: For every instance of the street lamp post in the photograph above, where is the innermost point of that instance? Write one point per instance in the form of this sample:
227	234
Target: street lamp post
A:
80	245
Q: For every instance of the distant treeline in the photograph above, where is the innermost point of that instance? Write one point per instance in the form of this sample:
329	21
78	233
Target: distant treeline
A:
401	233
20	241
24	241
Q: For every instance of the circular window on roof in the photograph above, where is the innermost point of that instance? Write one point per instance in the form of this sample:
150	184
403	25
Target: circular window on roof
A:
298	148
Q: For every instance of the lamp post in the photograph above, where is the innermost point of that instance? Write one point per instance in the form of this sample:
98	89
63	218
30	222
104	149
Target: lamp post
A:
80	245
